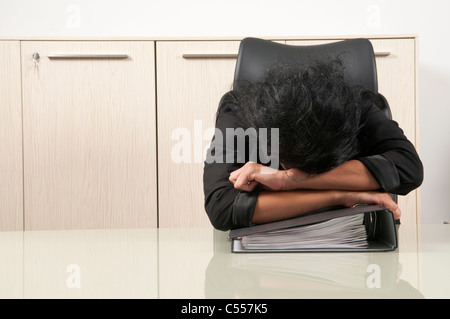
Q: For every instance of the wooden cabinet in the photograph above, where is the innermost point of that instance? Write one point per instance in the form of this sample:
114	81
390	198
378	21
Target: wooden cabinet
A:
11	186
113	134
89	134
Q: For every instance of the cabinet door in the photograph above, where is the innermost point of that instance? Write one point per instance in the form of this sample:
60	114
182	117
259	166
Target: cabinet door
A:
89	135
189	89
11	186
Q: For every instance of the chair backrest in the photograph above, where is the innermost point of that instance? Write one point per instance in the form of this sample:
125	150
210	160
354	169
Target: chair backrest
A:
357	55
257	55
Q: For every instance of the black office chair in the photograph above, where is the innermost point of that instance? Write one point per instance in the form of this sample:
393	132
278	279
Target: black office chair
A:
357	55
256	56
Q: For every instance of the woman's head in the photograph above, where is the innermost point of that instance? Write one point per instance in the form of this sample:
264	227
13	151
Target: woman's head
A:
317	112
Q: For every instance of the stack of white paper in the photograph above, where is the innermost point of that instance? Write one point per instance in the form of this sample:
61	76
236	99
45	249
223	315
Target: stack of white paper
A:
343	232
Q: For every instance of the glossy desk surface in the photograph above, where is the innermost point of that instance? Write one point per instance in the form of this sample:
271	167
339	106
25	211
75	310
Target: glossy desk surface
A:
197	263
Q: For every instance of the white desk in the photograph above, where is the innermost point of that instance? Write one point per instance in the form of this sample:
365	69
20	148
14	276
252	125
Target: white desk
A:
197	263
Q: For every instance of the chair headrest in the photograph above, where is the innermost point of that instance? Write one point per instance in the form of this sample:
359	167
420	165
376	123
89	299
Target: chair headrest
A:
257	55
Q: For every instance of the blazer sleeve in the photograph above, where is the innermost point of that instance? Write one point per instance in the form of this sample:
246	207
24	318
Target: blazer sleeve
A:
389	155
226	207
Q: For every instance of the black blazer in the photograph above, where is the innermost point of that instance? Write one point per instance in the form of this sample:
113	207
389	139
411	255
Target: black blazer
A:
386	152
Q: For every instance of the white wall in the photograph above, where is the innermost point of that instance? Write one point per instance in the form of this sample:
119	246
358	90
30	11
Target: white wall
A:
429	19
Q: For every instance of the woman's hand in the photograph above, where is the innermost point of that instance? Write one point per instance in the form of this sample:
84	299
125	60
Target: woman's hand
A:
350	199
253	174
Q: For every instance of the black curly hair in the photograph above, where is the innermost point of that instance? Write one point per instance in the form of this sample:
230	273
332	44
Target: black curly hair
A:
318	113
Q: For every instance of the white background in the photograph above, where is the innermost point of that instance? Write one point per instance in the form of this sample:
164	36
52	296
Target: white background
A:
429	19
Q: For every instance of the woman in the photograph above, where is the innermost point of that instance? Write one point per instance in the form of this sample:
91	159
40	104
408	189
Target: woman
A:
335	145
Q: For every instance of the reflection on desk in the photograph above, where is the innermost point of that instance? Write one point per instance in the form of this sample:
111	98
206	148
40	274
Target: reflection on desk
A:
197	263
307	275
